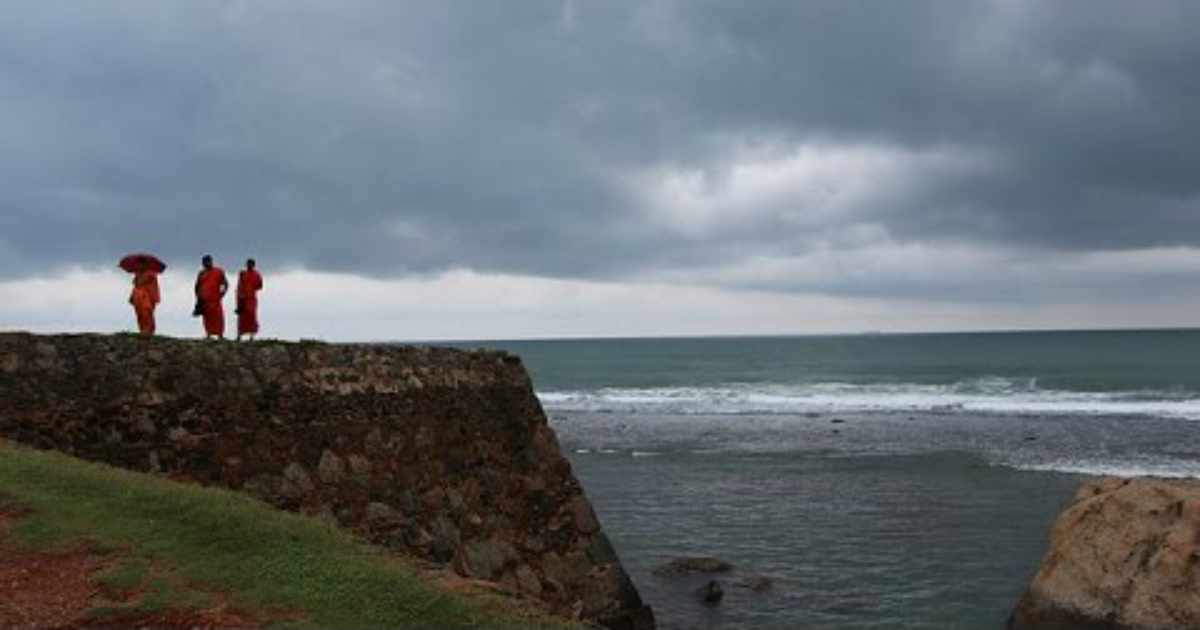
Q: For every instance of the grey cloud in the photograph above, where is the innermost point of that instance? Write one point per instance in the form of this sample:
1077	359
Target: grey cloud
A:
389	138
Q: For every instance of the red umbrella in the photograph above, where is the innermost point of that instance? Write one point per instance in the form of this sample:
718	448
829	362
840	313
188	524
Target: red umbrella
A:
135	263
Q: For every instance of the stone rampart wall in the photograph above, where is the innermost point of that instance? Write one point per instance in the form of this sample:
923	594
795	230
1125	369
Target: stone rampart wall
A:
442	453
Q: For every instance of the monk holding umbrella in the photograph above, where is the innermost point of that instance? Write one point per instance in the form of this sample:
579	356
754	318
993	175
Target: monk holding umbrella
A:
145	296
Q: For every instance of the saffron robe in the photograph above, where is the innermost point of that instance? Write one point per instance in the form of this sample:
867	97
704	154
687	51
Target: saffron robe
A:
145	298
249	284
210	289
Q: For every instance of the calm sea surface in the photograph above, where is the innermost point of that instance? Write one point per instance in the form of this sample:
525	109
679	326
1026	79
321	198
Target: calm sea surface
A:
885	481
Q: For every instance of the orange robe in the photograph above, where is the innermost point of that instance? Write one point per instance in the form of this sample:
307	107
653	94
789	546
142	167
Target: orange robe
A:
249	284
210	290
145	298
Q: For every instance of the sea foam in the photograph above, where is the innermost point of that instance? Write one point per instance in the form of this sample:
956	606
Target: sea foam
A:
1001	396
1174	469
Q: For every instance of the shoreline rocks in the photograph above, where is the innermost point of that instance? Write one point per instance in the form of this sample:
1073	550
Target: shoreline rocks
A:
1125	555
755	583
711	592
692	565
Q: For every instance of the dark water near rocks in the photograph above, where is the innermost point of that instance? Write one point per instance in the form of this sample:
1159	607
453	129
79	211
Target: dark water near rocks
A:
881	481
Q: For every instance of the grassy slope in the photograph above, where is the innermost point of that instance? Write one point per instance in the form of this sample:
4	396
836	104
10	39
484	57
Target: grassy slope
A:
265	559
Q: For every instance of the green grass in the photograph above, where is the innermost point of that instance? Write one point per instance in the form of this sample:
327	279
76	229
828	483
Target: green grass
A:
134	587
174	538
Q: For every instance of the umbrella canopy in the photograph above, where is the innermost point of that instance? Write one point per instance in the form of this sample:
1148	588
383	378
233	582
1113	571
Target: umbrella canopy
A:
136	263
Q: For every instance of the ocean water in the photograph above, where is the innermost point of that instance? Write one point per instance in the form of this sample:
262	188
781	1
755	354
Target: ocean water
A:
881	481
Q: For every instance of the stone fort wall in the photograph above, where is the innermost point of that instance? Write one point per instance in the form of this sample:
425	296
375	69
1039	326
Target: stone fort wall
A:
441	453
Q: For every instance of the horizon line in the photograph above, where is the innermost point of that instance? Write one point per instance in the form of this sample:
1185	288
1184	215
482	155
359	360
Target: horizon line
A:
865	333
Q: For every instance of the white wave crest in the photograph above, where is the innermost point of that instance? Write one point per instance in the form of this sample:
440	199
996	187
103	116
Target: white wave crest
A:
987	395
1163	469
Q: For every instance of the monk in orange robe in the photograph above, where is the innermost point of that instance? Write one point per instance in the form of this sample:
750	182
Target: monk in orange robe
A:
210	290
145	298
250	282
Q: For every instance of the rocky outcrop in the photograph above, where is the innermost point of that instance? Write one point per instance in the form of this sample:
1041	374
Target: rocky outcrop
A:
1125	555
710	592
442	453
690	565
755	583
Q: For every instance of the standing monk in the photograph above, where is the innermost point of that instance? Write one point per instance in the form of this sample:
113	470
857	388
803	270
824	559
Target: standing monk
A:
249	284
210	290
144	298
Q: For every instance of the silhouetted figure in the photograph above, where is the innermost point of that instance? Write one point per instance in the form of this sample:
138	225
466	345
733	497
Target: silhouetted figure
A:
250	282
210	290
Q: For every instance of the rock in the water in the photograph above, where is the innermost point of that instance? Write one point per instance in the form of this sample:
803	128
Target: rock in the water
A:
687	566
1125	554
711	592
755	583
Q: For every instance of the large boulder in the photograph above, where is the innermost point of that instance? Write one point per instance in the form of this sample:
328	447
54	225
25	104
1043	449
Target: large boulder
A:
1124	556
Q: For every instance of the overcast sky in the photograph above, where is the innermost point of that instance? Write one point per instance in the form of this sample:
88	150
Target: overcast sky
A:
527	168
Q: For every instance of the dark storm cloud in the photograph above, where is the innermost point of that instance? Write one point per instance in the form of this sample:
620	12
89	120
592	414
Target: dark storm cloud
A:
404	137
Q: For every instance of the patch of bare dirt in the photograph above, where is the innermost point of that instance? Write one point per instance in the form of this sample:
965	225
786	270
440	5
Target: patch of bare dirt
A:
56	590
500	596
40	589
192	619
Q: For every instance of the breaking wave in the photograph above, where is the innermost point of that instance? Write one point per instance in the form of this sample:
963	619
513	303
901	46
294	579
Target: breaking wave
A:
1167	468
991	395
